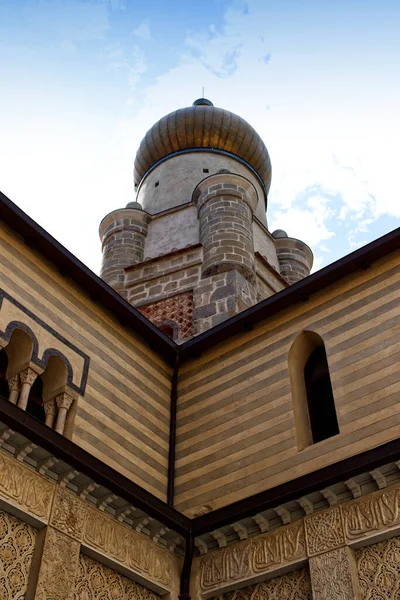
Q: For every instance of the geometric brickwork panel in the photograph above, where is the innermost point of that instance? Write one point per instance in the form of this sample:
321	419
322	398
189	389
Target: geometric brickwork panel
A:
175	313
97	582
17	542
292	586
379	570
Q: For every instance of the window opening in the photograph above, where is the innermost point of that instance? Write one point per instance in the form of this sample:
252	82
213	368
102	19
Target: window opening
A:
321	404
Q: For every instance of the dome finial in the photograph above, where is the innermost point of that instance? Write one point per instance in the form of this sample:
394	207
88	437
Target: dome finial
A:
202	102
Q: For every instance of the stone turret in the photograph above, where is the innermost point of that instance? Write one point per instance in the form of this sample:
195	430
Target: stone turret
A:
122	233
195	248
295	257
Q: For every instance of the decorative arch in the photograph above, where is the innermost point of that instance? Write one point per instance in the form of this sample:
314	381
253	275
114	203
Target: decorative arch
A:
57	374
312	396
22	345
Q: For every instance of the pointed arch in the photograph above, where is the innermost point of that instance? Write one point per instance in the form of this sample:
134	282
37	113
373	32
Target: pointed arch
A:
313	402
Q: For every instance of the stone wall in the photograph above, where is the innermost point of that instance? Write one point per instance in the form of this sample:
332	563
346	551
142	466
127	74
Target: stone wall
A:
236	427
328	541
118	378
67	529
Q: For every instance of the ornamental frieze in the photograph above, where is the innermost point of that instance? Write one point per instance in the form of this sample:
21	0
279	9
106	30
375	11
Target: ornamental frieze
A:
31	491
285	545
126	546
262	554
373	513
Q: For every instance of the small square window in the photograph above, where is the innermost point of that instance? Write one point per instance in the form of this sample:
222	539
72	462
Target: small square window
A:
157	183
206	170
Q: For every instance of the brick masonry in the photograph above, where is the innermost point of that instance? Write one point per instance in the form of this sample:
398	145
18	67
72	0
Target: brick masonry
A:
173	315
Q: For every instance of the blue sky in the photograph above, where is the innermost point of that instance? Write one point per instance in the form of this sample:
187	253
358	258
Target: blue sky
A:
82	81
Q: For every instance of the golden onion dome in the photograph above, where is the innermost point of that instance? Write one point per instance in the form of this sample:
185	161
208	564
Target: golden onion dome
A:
207	127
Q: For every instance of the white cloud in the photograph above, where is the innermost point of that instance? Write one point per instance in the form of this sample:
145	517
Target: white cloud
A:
332	141
143	31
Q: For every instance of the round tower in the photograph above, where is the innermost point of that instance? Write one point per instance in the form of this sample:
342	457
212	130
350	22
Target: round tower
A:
225	204
122	234
195	249
294	256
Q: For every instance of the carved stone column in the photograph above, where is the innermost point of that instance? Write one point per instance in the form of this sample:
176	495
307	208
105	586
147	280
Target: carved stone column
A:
64	402
14	385
334	575
58	566
27	377
50	410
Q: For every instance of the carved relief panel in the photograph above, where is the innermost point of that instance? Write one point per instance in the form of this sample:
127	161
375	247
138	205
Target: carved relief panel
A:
379	570
126	546
373	513
30	491
17	542
97	582
292	586
333	575
260	555
58	567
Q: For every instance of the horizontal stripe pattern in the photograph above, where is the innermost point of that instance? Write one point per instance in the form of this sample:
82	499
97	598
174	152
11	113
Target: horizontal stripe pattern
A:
123	418
236	432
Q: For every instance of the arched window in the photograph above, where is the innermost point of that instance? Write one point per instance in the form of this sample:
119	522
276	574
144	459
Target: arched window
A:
313	402
321	405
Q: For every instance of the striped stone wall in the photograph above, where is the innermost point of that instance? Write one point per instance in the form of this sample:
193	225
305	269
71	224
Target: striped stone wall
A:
123	417
236	430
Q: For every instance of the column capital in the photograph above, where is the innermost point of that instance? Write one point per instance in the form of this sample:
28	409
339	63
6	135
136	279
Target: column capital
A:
14	383
49	407
64	400
28	375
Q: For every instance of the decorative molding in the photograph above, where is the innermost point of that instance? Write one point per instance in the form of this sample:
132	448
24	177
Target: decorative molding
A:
68	513
126	546
333	576
378	511
58	568
17	543
259	555
324	531
29	490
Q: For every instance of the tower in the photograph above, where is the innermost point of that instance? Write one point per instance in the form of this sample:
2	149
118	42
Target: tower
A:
194	248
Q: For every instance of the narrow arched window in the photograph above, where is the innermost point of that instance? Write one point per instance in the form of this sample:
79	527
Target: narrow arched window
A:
321	404
313	403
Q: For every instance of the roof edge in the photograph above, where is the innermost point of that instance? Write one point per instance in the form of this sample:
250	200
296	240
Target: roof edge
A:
96	288
298	292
